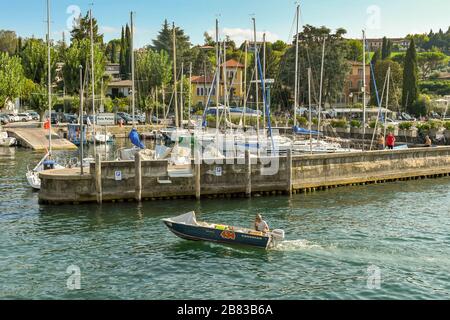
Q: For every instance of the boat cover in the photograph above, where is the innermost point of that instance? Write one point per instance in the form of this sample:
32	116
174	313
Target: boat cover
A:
298	130
135	139
188	218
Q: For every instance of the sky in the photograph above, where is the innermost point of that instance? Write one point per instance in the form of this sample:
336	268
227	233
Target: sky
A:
274	17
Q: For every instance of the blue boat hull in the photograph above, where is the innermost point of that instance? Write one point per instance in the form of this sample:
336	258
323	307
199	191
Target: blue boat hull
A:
197	233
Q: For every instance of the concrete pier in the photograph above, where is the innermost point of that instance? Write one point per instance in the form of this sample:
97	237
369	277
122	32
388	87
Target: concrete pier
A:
155	180
37	139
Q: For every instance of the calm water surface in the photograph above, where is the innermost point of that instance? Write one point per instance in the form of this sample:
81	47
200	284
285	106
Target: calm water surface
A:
125	252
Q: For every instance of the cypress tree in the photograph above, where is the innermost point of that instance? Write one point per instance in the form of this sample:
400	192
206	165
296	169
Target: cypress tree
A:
410	92
127	52
112	58
122	54
385	50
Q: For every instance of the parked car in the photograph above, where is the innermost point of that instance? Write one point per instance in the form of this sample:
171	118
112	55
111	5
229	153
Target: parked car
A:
406	117
155	120
4	119
69	118
25	117
13	117
34	115
391	122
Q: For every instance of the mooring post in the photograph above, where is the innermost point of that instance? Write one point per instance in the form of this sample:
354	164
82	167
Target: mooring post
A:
98	178
289	171
138	176
198	172
248	167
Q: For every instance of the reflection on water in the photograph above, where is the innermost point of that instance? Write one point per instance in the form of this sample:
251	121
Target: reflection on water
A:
125	252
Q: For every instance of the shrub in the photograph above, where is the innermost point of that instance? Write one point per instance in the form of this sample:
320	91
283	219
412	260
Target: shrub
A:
390	129
373	123
355	124
358	106
315	121
435	124
447	125
405	126
302	121
424	127
342	123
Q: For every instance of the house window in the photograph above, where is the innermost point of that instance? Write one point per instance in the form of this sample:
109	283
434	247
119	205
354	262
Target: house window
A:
350	84
360	72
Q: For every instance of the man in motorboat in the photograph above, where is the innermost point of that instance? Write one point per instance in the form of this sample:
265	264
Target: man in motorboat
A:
261	225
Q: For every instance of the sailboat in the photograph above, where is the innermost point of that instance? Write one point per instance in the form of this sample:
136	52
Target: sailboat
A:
46	163
6	141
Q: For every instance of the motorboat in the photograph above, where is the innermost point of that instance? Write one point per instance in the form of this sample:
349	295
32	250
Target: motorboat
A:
6	141
187	227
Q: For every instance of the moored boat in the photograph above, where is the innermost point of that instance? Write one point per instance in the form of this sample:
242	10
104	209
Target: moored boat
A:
187	227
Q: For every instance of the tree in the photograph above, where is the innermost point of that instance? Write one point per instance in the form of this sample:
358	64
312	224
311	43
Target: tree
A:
122	53
396	78
153	70
386	50
34	60
354	50
164	41
8	42
79	54
374	89
11	78
430	62
410	92
112	50
209	41
336	67
83	30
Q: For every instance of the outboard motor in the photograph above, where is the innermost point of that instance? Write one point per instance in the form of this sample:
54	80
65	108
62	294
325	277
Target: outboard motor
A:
278	235
49	165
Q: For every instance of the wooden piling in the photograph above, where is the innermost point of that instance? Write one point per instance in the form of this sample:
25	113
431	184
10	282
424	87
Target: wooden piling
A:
248	167
198	173
289	171
138	176
98	178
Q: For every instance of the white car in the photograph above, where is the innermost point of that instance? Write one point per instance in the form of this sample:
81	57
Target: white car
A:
25	117
13	117
391	122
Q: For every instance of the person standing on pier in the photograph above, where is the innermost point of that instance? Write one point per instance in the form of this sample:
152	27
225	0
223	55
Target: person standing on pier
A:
390	141
428	142
380	142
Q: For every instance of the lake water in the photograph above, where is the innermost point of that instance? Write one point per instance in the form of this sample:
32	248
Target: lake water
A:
338	242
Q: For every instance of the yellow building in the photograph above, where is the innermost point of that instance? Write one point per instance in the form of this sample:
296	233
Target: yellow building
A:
201	85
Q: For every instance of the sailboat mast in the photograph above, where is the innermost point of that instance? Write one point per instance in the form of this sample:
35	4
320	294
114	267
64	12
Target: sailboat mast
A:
296	68
310	111
387	99
81	121
133	86
264	73
49	84
93	81
256	77
364	90
182	95
245	80
217	75
320	91
225	80
174	44
190	94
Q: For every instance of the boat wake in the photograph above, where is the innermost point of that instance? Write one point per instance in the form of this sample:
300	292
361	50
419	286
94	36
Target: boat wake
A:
296	245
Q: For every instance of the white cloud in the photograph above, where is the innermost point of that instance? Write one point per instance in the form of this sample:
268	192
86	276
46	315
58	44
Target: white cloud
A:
107	29
239	35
